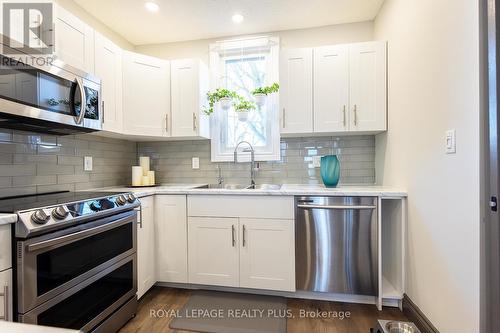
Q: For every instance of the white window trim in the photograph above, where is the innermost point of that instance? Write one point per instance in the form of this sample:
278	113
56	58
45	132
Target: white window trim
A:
234	46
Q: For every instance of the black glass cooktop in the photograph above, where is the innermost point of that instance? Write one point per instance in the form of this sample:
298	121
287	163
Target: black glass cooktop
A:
20	203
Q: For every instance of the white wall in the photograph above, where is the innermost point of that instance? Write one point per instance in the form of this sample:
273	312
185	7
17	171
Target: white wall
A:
433	52
334	34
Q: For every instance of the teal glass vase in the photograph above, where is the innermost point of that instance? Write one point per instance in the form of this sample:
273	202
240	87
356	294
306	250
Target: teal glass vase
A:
330	170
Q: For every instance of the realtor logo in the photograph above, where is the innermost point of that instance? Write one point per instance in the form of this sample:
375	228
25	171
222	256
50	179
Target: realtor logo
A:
28	28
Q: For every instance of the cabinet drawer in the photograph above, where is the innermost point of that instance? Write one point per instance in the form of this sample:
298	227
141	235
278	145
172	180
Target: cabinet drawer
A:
276	207
5	247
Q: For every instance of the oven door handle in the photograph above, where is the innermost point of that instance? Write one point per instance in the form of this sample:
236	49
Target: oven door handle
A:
63	240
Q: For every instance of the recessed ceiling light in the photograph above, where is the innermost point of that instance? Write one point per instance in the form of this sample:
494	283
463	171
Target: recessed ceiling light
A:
151	6
237	18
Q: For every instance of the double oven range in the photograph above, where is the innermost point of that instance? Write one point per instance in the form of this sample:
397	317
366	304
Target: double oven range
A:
76	260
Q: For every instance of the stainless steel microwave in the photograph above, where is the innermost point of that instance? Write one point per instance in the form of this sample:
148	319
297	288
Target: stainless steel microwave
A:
48	97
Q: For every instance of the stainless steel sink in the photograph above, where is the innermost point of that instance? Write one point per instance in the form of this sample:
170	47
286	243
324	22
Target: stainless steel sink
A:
274	187
223	186
240	187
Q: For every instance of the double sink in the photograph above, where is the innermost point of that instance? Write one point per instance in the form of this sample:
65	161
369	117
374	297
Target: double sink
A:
272	187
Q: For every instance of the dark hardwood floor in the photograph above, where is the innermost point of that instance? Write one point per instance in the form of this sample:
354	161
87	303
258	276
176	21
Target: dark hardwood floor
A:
362	317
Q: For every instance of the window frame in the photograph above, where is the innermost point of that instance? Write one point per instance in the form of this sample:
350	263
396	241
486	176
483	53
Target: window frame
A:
252	46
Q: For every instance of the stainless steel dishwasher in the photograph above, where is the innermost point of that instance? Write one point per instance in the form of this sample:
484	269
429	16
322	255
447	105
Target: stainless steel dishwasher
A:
336	245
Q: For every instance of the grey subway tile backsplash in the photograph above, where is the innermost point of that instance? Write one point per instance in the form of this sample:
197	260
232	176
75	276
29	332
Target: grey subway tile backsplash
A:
172	161
37	163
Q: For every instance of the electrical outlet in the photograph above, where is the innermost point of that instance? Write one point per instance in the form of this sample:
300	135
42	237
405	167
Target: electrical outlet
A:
316	161
196	162
87	163
451	142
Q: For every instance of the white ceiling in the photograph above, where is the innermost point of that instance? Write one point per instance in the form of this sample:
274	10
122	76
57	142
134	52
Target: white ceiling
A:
180	20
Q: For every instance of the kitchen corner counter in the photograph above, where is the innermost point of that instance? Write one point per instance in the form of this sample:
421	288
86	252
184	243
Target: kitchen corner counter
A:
286	190
8	218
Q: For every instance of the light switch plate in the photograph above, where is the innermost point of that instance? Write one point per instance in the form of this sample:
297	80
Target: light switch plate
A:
451	142
316	161
196	162
87	163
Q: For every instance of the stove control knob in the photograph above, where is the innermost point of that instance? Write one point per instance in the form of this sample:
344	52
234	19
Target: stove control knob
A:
130	198
39	217
121	200
59	213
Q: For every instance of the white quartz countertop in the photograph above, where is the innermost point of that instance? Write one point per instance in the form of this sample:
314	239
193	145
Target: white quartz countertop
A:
7	218
286	189
25	328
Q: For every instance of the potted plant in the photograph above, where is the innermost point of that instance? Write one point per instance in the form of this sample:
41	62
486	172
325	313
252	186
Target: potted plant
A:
260	94
242	108
222	95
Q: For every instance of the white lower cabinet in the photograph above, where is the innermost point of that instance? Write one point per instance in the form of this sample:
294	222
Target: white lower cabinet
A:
171	238
6	295
213	251
146	276
242	252
267	254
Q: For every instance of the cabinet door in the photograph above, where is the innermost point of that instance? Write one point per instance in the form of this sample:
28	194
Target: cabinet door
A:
74	41
296	87
171	238
368	86
108	67
5	247
331	88
146	95
267	255
145	247
189	88
6	295
213	251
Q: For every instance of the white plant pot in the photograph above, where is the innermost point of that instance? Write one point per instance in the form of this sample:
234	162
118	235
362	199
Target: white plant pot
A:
260	99
225	103
242	115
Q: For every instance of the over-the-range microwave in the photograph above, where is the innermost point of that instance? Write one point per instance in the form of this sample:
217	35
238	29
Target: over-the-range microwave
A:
45	95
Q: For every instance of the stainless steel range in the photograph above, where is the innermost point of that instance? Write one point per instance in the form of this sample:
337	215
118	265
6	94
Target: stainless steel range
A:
75	259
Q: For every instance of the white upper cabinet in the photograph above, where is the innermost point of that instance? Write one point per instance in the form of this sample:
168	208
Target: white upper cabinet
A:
146	95
74	41
296	91
108	67
189	88
171	238
331	88
368	96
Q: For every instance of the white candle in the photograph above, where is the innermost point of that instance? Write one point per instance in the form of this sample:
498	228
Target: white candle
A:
145	180
151	175
136	176
144	163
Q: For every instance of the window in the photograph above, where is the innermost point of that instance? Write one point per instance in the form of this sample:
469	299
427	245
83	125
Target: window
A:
242	66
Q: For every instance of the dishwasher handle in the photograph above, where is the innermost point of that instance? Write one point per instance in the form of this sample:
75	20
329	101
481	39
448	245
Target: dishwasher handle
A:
345	207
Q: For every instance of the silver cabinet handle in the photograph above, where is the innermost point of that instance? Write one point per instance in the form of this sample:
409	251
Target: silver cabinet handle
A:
336	207
83	105
102	104
344	119
166	122
284	117
233	239
139	223
5	295
194	121
243	233
355	114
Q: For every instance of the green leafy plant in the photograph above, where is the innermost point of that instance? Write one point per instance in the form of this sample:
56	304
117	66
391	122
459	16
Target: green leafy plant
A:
275	87
243	105
217	95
